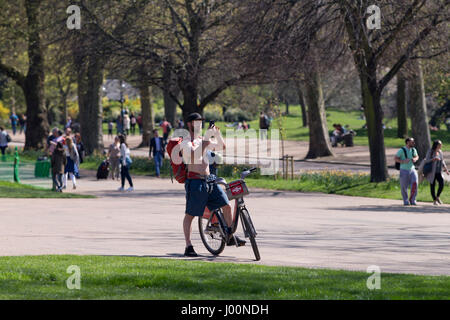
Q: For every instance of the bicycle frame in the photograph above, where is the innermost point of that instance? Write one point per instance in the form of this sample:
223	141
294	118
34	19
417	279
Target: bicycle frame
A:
238	210
216	224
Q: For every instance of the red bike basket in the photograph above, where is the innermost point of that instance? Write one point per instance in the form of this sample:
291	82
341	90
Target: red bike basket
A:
236	189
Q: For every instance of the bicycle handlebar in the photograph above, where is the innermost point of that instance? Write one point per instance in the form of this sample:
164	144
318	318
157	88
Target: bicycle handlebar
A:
245	173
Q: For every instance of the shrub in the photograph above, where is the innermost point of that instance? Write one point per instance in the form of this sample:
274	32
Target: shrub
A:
236	115
211	115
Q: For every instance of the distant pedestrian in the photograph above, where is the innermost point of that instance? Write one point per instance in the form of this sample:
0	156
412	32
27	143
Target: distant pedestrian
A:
58	162
114	158
110	128
14	119
156	152
126	124
73	161
264	125
80	147
435	159
245	125
139	122
407	156
133	122
68	123
119	125
125	163
166	127
23	123
4	140
53	139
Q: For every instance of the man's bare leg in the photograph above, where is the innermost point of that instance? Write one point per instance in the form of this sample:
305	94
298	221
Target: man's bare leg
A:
227	214
187	228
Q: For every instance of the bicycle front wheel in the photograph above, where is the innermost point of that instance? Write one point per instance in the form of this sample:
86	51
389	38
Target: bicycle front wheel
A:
250	232
211	237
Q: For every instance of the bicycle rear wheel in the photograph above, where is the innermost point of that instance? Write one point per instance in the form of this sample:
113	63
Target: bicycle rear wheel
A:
250	232
211	237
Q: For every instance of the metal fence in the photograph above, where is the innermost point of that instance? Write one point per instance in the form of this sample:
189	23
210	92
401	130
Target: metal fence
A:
27	172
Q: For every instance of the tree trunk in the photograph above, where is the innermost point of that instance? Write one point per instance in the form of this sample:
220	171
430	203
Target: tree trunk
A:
402	120
33	87
374	117
319	141
190	103
418	111
301	101
287	108
148	114
170	87
90	80
65	110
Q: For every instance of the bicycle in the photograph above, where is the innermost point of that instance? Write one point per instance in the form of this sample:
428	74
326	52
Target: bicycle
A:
212	225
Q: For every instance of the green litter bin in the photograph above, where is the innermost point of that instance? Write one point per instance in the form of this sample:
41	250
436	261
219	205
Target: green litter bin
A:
42	168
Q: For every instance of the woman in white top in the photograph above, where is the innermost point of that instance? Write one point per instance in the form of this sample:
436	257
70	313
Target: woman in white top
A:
3	140
126	124
125	162
73	161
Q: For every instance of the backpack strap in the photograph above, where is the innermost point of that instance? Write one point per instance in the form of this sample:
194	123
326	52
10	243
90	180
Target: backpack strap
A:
406	154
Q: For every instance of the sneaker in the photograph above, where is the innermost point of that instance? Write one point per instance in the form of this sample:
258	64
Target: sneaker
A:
190	252
413	203
240	242
435	202
130	189
74	187
439	201
121	189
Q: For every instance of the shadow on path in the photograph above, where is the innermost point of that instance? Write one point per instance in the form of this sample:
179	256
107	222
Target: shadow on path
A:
420	209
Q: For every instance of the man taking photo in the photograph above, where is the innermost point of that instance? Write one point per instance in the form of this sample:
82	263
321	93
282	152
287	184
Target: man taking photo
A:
198	194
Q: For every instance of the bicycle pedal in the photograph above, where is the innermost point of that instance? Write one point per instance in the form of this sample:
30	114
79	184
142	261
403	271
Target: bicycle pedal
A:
236	242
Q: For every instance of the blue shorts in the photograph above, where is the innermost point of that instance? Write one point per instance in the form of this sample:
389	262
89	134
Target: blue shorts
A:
197	197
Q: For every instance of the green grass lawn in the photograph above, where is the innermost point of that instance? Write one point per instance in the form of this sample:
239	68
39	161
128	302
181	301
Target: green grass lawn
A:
16	190
292	124
44	277
345	183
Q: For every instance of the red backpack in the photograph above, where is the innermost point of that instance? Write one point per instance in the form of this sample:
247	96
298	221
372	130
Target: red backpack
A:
179	169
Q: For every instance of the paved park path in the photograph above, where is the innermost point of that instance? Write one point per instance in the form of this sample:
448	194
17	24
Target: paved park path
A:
295	229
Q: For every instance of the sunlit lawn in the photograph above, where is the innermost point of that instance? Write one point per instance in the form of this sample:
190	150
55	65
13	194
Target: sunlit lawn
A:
109	277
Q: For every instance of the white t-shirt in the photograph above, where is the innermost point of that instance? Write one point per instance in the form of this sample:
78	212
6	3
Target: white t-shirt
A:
3	140
124	153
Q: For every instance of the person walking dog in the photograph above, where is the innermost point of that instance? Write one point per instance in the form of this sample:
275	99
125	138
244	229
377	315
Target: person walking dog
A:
407	156
432	170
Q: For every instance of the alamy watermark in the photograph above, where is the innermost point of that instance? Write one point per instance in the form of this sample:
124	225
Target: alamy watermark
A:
74	281
374	281
372	22
239	147
74	20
